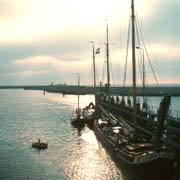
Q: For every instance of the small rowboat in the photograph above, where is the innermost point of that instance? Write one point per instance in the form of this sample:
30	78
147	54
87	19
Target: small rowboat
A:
40	145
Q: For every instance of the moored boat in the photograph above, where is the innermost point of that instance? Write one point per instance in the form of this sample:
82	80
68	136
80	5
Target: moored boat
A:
77	117
90	114
125	142
140	157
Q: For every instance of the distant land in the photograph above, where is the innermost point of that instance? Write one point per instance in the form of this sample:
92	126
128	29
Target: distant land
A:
151	90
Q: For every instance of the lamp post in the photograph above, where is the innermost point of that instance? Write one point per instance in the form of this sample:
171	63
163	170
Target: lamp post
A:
94	66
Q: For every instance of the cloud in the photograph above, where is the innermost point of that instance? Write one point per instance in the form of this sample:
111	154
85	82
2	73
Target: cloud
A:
163	25
45	62
28	73
7	9
164	50
71	48
50	68
42	40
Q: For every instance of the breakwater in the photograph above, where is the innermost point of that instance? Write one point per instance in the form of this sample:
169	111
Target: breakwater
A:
118	90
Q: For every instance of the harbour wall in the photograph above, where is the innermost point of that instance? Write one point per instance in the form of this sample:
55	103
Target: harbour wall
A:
70	89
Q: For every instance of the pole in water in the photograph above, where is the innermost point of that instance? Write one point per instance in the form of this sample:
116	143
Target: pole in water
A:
64	93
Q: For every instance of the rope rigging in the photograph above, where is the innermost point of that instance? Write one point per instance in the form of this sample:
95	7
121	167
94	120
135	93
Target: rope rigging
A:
103	70
146	52
127	50
140	60
122	40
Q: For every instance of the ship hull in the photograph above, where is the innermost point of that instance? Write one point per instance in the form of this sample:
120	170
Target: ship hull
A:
159	168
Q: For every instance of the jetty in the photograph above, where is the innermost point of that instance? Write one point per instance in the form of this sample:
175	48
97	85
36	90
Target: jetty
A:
116	90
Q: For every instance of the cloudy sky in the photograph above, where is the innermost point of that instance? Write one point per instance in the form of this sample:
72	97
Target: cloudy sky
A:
48	40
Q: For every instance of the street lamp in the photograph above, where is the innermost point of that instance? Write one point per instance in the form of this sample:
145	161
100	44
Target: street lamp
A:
94	66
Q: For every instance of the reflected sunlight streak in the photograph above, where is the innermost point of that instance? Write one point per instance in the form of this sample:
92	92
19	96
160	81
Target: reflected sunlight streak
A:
90	161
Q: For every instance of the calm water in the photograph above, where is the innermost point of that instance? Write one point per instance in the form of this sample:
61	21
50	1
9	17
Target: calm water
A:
26	116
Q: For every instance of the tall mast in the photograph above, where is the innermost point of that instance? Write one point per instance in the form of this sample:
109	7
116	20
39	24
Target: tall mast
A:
133	66
94	67
78	87
107	56
143	75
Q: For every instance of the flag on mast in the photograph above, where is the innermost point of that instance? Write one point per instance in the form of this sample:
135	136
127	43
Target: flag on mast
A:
97	51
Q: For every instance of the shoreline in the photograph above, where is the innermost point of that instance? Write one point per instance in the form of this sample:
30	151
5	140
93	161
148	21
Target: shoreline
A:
69	89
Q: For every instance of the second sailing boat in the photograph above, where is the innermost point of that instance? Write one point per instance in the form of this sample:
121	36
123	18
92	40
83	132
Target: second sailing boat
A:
77	118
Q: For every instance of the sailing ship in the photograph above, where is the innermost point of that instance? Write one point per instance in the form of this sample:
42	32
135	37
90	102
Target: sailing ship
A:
77	117
118	128
90	112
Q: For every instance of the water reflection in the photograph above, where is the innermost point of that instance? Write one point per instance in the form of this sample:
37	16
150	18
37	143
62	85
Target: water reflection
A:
80	129
72	154
90	161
